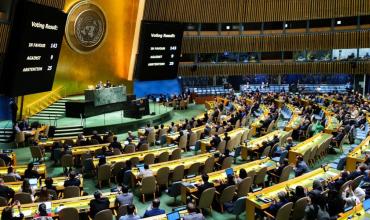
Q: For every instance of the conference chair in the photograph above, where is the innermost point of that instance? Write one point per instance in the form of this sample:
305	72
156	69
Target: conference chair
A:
117	151
162	177
239	206
71	192
3	201
283	213
345	186
69	213
221	147
356	182
2	163
285	173
299	208
144	147
175	190
176	154
104	215
209	165
194	169
94	142
129	149
23	198
268	129
8	178
116	169
260	176
148	186
178	173
244	136
134	161
183	142
67	162
192	139
237	124
206	199
104	174
121	211
227	195
266	152
88	166
151	137
20	138
243	187
163	157
36	153
149	159
53	194
227	163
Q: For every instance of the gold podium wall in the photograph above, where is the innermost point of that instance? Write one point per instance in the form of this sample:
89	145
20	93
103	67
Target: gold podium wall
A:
110	60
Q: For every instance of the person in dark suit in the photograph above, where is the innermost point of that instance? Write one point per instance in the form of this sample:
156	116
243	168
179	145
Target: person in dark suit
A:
154	210
72	181
97	137
98	204
5	191
30	173
115	144
215	142
205	185
276	205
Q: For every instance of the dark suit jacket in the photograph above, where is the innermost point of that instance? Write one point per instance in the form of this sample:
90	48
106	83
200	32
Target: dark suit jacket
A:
203	187
6	192
72	182
97	205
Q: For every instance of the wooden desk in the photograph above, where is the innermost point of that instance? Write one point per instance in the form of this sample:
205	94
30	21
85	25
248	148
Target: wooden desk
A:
188	186
173	136
204	143
187	162
139	154
311	143
256	143
356	213
81	204
306	180
256	124
294	123
58	182
41	169
332	124
357	155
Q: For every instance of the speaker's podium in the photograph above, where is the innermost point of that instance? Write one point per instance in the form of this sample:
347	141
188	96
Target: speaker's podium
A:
97	102
136	108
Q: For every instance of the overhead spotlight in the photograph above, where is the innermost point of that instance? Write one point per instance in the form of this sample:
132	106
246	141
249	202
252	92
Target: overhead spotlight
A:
228	27
286	25
339	22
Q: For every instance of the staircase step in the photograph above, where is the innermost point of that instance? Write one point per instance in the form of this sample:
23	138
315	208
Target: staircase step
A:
60	112
48	115
59	103
67	134
68	130
69	127
34	118
56	109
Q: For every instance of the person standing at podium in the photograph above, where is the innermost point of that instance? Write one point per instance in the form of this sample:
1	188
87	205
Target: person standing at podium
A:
108	84
99	85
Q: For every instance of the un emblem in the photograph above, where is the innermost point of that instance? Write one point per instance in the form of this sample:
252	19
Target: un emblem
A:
86	27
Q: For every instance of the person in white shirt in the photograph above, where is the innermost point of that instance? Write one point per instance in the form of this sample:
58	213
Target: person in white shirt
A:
146	172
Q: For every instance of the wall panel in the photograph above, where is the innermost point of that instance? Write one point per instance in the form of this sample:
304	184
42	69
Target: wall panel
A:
215	11
270	43
210	70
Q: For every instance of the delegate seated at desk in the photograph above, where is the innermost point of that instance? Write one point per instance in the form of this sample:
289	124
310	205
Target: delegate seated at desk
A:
100	85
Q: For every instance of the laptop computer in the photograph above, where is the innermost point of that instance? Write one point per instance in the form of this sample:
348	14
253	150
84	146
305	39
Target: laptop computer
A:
33	181
140	167
173	216
366	205
229	171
